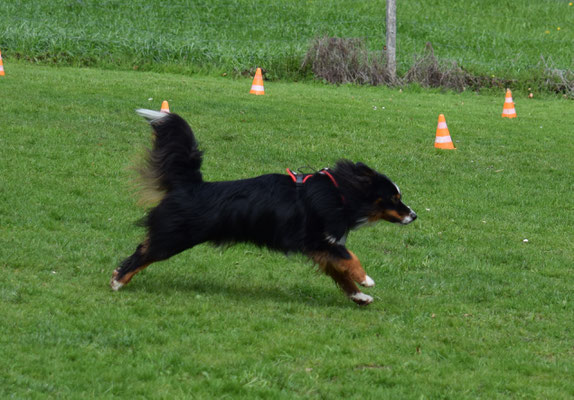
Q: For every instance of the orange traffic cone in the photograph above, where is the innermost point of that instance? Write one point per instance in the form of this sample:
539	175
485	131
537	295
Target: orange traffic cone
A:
443	140
257	86
1	65
508	110
164	107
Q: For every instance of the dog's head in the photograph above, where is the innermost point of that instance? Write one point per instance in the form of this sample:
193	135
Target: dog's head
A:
380	198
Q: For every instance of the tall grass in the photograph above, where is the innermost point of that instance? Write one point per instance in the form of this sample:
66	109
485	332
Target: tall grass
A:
489	37
464	307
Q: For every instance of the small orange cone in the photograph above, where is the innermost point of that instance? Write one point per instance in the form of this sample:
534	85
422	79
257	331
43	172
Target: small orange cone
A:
164	107
443	140
257	86
1	65
508	110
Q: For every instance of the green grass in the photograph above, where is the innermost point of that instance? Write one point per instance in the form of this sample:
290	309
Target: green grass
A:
463	307
488	37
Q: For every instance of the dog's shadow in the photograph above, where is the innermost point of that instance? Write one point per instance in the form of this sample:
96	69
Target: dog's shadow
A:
241	291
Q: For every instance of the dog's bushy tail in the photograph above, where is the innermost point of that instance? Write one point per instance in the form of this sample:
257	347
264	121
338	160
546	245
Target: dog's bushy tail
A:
175	159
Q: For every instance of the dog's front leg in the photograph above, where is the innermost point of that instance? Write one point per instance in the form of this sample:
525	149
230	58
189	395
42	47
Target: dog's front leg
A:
357	272
345	269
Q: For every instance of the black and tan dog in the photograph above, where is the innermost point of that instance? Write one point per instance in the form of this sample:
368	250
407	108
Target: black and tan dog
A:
309	214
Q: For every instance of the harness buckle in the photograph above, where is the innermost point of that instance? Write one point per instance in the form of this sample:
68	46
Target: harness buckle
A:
298	178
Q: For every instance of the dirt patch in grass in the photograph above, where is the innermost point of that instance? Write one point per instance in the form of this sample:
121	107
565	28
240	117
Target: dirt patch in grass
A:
344	60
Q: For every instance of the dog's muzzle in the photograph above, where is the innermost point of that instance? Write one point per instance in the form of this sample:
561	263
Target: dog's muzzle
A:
409	218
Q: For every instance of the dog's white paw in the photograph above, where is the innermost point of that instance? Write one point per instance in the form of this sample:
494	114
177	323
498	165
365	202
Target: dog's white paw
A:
361	298
368	282
115	285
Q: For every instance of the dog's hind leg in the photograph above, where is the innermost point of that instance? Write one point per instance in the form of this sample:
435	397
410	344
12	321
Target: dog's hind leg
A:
131	266
156	247
345	272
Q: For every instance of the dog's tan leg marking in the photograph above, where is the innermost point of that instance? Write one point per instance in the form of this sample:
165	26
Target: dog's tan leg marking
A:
344	272
356	271
128	277
117	284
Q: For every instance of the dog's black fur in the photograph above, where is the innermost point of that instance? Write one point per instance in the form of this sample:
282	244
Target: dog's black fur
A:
313	218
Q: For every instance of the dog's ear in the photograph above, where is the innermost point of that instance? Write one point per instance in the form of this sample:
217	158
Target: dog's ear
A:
357	175
364	176
364	170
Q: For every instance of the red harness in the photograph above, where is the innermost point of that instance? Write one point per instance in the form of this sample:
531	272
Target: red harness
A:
300	179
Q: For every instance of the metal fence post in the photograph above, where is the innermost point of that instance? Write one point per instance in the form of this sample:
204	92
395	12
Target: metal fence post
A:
391	22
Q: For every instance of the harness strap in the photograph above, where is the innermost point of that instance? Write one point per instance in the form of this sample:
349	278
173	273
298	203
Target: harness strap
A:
300	179
325	171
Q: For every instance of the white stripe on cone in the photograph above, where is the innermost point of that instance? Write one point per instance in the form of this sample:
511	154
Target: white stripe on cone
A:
257	87
443	139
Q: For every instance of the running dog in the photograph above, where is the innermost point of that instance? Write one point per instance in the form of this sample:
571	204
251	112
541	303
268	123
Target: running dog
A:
310	214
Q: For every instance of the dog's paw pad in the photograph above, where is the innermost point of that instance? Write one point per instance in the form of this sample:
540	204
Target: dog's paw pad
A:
361	299
368	282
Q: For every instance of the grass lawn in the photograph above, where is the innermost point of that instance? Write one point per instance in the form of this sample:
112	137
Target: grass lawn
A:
464	306
487	37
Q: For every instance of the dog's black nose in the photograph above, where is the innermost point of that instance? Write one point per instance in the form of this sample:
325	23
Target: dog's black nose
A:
413	215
